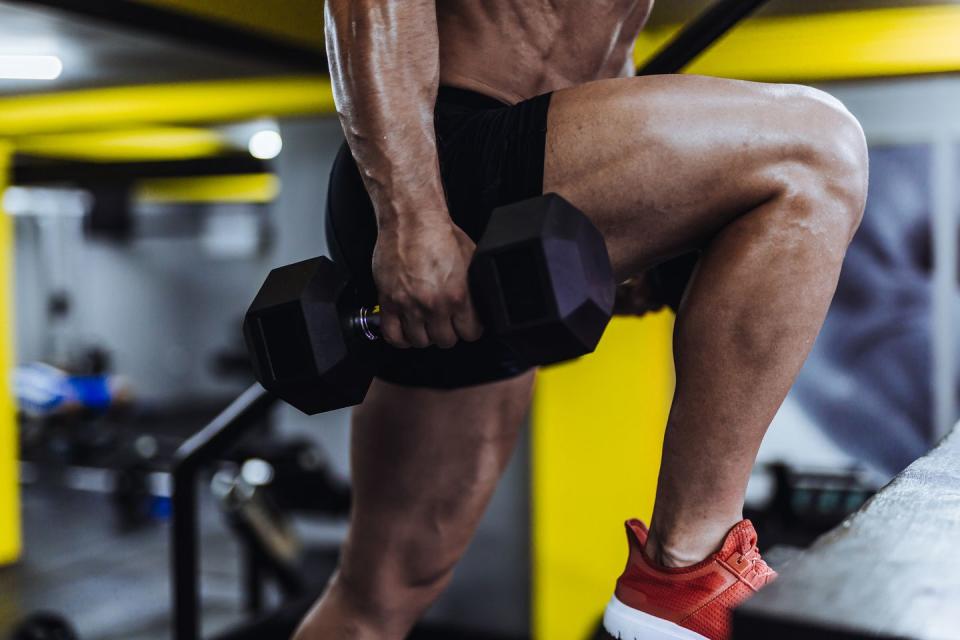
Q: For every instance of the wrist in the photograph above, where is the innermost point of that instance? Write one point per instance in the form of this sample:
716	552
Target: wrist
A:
411	219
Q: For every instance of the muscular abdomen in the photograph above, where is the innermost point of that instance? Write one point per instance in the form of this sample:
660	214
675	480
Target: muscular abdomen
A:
516	49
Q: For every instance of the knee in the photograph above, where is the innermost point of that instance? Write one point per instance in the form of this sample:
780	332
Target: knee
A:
827	169
425	559
386	580
398	573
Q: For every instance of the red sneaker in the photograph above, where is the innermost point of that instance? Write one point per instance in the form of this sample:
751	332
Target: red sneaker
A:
653	602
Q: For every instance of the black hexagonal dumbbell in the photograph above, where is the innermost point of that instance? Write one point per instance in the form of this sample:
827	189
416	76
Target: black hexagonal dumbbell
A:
541	281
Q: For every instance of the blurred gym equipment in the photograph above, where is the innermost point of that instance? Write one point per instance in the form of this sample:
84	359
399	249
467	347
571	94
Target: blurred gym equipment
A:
44	625
273	551
806	503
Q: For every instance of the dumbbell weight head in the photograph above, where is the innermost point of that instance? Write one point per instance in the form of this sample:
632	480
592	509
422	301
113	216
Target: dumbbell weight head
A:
542	281
315	361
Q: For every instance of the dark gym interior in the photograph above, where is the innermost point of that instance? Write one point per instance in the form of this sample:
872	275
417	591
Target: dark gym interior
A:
167	471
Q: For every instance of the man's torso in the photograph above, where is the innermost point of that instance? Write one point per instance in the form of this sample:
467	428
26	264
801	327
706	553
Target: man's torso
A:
516	49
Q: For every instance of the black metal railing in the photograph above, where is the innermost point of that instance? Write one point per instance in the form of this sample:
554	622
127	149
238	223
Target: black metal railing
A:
203	448
699	34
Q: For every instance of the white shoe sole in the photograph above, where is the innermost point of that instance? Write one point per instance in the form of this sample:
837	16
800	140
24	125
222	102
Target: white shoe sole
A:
625	623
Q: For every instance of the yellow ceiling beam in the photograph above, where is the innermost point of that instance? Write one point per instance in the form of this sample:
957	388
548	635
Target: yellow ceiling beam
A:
829	46
187	103
815	47
138	145
298	21
256	188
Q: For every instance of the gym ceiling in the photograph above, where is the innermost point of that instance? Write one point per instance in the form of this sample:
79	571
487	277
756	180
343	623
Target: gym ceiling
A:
153	64
148	49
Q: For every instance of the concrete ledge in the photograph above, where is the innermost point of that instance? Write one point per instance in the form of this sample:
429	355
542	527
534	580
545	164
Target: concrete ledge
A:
892	570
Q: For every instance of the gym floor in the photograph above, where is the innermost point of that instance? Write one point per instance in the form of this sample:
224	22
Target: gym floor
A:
110	584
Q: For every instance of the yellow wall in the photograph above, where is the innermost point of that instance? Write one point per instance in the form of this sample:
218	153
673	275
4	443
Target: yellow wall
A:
9	487
598	428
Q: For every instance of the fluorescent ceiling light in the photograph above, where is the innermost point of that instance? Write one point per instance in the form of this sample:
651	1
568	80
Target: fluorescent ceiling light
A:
30	67
266	144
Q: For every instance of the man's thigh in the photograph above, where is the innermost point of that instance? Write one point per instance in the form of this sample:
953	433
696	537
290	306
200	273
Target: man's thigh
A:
662	163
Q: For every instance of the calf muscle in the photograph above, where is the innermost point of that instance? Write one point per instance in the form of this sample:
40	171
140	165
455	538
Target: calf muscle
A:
770	183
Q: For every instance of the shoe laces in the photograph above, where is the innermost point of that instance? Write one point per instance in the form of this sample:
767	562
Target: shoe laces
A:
751	566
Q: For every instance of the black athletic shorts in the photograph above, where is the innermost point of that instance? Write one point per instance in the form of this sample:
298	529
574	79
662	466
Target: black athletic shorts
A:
491	154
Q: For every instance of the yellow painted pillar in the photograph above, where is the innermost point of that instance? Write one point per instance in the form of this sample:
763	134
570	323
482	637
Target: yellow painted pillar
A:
9	481
597	434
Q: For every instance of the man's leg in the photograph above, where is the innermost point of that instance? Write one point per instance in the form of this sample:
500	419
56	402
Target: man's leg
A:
424	465
770	181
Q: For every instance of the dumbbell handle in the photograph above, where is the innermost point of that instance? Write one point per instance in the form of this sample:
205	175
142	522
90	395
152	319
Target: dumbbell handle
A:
366	322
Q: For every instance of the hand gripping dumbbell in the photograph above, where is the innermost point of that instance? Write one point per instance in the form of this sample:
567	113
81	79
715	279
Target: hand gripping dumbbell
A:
541	282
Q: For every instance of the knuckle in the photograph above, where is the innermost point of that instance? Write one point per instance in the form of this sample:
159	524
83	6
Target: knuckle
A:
428	301
399	300
459	297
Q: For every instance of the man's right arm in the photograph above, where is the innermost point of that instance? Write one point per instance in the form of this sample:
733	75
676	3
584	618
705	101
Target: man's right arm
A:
385	66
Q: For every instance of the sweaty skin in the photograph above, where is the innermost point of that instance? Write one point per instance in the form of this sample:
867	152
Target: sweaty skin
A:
768	181
517	49
387	60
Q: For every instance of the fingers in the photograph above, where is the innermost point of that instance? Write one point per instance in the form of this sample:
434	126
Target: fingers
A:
414	332
441	332
392	330
441	329
466	323
436	331
636	297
